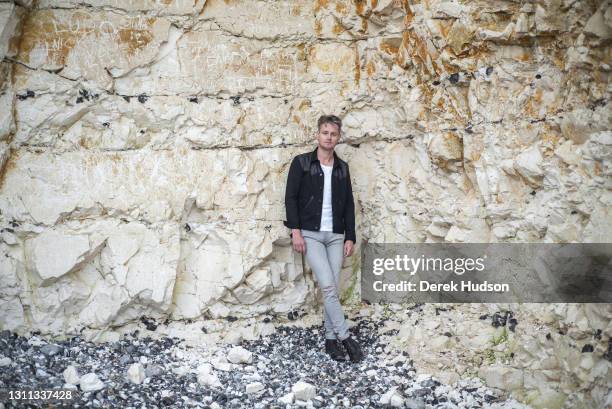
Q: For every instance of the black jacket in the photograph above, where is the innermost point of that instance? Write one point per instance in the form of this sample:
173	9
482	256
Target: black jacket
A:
304	195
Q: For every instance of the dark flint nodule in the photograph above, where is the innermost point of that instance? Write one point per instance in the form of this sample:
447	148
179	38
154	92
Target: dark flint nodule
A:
28	94
150	323
587	348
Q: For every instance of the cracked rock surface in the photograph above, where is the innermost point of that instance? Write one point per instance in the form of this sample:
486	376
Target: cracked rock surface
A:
144	150
141	143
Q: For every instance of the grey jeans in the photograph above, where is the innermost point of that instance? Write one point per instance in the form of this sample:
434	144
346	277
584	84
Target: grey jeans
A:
324	254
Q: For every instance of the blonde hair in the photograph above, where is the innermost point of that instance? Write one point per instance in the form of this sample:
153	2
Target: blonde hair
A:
329	119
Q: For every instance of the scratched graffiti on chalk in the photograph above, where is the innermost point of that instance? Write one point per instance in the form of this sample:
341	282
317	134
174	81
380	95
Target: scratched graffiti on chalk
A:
50	38
205	60
212	60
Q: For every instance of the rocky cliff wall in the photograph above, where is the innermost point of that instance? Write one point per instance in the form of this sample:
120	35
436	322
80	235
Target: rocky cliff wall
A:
145	145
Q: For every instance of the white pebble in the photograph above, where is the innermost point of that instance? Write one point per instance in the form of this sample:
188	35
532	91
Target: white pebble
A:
90	382
71	375
136	373
303	390
254	387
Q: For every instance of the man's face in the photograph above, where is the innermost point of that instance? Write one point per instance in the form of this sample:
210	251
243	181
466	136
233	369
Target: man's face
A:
328	136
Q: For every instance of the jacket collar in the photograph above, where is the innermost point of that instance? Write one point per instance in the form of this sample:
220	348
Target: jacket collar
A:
313	157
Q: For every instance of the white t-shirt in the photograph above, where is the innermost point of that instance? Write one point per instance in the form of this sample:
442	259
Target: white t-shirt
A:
327	219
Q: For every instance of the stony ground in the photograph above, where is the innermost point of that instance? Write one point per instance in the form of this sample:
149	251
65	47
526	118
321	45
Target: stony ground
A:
287	365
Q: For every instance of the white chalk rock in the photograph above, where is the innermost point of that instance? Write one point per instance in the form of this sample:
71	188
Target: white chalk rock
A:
303	390
90	382
71	375
286	399
136	373
239	355
254	387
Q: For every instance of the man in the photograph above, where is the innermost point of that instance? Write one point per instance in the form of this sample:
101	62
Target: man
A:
321	216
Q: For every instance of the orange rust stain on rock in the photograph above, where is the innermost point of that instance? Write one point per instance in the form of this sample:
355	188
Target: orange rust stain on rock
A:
409	13
389	48
6	75
319	4
338	29
364	24
597	169
56	37
43	29
449	67
115	157
551	137
454	144
460	99
341	8
304	104
14	44
402	60
525	57
370	68
135	40
298	55
533	103
444	26
317	27
416	47
599	76
360	6
559	61
9	164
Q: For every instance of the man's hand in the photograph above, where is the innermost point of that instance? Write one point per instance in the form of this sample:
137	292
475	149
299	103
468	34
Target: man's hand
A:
348	248
297	239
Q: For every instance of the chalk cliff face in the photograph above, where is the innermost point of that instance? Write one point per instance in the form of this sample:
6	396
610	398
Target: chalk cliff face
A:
145	146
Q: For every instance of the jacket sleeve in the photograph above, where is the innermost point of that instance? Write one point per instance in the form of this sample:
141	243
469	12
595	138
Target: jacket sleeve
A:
291	195
349	211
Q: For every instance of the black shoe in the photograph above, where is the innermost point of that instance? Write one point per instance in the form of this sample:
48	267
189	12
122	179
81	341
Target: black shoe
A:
334	350
353	349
